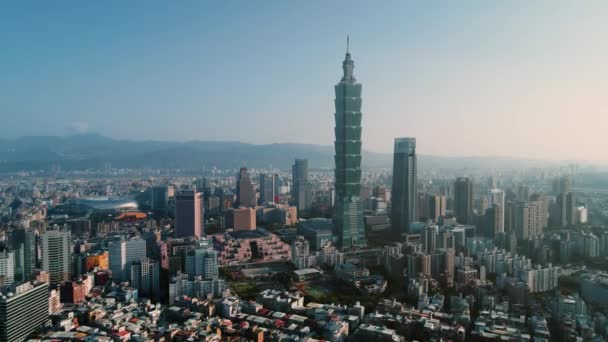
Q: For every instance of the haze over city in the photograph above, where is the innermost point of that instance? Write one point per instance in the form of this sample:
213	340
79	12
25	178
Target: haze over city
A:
515	78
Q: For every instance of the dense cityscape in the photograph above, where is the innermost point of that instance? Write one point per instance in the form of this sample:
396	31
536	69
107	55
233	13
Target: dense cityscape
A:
311	254
105	239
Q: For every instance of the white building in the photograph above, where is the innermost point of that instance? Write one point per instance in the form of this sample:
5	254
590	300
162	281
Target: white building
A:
122	253
7	268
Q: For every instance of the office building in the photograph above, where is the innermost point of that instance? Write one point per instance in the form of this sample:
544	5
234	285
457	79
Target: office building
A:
7	268
562	185
243	219
245	196
57	254
189	214
429	236
348	214
159	197
437	207
202	261
23	311
267	188
302	189
23	242
565	209
122	254
463	200
145	277
496	198
404	193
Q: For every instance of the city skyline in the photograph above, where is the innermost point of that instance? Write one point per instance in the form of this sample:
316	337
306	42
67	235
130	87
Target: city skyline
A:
462	80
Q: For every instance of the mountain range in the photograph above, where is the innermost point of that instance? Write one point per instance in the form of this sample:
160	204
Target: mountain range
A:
94	151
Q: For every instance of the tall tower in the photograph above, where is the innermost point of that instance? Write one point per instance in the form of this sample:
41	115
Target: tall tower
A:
189	214
497	199
405	193
463	200
348	216
301	186
266	188
57	254
244	189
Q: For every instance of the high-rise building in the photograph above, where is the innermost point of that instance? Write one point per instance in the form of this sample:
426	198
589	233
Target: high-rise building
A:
57	254
348	214
244	189
437	206
463	200
566	209
23	311
302	192
300	253
267	187
189	214
159	197
122	254
23	242
497	199
404	194
202	261
562	185
7	268
429	238
145	276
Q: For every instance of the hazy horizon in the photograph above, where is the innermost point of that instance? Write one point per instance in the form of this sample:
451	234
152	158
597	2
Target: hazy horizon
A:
474	78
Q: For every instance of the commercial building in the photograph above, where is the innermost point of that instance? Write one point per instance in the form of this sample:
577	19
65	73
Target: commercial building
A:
463	200
23	311
243	219
348	214
57	254
189	214
404	194
7	268
122	253
245	196
267	188
302	188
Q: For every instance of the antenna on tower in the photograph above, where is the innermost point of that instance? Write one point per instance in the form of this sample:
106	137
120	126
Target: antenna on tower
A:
347	43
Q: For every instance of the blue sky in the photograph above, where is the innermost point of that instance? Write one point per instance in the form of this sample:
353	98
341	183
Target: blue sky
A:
518	78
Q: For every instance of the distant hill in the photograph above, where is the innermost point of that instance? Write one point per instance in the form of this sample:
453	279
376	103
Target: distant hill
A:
92	151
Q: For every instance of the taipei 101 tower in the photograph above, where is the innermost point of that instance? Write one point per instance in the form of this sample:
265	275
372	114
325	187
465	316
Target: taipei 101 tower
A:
348	215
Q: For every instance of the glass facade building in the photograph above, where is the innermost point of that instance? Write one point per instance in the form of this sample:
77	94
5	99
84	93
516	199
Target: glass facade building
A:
348	215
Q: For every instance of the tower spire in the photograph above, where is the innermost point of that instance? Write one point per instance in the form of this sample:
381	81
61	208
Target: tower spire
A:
347	43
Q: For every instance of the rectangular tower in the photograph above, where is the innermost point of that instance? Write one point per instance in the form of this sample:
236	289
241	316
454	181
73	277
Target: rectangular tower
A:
188	214
405	194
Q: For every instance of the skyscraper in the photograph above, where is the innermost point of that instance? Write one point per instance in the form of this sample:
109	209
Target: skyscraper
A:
57	254
301	186
497	199
23	242
244	189
122	254
188	214
202	261
463	200
266	188
437	206
7	268
404	194
145	276
348	215
159	197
